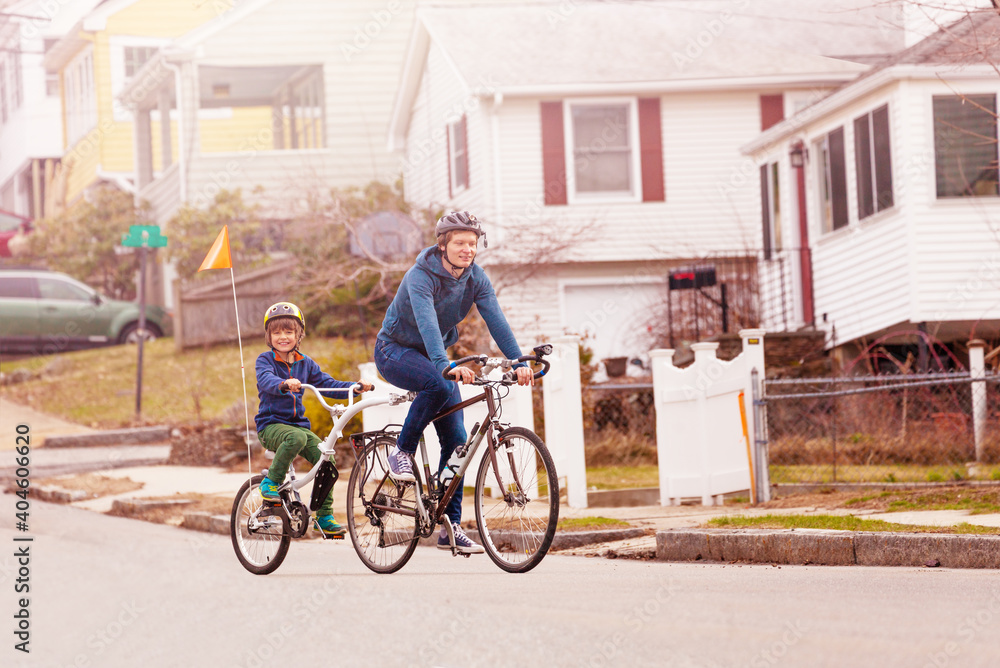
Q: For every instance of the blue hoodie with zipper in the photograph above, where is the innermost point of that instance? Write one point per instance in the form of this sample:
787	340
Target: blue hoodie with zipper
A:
279	406
425	312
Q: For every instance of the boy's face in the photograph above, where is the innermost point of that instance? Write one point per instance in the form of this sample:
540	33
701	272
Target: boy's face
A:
284	338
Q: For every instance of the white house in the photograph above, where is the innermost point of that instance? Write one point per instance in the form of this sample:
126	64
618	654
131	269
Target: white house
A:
31	130
894	192
601	144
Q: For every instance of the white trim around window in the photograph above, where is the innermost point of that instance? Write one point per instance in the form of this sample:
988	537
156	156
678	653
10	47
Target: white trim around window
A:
603	144
117	44
80	96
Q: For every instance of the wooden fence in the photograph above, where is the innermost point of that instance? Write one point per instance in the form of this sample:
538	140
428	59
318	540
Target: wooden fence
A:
204	314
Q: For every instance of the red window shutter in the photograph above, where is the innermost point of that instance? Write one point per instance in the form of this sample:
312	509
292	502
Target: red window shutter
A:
553	153
447	155
651	150
772	110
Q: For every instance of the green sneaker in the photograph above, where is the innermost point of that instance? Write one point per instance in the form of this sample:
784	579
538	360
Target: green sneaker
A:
329	527
269	490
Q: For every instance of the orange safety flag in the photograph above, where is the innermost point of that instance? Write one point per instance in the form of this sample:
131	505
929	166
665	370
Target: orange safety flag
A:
218	256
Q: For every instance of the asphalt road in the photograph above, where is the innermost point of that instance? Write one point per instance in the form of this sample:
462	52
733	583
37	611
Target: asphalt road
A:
112	592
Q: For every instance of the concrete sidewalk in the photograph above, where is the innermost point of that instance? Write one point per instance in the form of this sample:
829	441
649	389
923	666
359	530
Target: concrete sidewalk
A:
40	425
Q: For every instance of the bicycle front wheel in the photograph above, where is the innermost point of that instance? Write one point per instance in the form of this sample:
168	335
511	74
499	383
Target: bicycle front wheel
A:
260	538
381	513
517	500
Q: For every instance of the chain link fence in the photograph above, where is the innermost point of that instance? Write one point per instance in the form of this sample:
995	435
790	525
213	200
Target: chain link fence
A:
880	429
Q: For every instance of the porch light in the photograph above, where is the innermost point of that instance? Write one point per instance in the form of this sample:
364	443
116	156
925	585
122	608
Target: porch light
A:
798	154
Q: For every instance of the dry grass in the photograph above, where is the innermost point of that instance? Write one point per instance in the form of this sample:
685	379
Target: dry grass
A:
94	484
215	505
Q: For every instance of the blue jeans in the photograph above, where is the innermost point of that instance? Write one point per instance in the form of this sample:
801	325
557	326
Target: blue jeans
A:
410	369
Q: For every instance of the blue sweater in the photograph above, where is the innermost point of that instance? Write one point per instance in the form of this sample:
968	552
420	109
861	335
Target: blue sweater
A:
278	406
425	312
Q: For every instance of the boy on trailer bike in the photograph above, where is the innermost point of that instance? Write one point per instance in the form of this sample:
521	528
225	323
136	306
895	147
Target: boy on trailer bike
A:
436	294
282	425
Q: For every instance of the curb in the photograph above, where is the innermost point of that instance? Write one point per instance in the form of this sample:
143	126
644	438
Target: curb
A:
829	547
137	436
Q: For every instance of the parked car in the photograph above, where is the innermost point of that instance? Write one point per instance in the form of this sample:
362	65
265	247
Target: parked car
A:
48	312
11	225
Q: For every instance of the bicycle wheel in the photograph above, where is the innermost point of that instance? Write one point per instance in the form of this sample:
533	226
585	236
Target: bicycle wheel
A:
381	514
517	523
261	543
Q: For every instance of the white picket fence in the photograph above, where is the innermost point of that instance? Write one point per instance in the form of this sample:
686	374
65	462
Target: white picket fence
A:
704	448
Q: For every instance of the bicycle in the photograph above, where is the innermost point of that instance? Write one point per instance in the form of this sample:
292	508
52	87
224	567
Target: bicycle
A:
262	532
386	518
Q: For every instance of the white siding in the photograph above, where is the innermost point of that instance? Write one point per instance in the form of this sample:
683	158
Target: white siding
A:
956	241
360	46
443	97
712	193
163	195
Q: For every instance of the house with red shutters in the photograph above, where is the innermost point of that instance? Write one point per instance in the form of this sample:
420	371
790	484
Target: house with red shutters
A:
600	143
892	193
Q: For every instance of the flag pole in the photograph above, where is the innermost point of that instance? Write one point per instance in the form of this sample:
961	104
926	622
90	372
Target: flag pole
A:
243	372
220	257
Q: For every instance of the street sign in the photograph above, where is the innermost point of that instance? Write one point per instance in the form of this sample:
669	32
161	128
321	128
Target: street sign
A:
144	236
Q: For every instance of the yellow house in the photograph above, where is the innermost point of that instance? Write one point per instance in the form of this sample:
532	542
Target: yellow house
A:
95	61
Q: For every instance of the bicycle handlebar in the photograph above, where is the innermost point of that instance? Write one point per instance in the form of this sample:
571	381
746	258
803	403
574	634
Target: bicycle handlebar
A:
356	389
509	377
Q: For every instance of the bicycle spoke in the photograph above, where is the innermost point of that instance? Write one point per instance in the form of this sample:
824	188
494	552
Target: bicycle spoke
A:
261	543
518	520
381	513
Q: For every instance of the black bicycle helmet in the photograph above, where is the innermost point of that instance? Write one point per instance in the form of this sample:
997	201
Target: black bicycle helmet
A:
460	220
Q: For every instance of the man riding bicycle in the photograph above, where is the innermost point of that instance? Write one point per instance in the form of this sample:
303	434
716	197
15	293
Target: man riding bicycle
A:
436	294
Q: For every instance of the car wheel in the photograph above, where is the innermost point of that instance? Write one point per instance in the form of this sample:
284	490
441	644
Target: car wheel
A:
130	334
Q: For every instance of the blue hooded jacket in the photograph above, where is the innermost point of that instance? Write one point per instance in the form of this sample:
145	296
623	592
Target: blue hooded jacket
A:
278	406
425	312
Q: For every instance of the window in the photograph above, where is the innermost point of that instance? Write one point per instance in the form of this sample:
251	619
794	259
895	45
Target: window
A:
602	150
299	122
458	157
615	147
873	159
136	57
965	145
17	287
770	198
53	288
832	181
81	99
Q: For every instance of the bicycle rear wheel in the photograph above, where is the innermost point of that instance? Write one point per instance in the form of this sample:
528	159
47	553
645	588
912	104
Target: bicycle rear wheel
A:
381	513
517	523
261	543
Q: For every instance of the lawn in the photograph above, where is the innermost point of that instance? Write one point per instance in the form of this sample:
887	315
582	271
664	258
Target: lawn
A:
96	387
889	473
839	522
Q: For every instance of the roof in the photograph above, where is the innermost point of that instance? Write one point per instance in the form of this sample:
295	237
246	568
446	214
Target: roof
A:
970	45
593	47
653	41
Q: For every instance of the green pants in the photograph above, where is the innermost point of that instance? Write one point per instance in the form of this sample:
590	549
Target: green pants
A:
286	441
